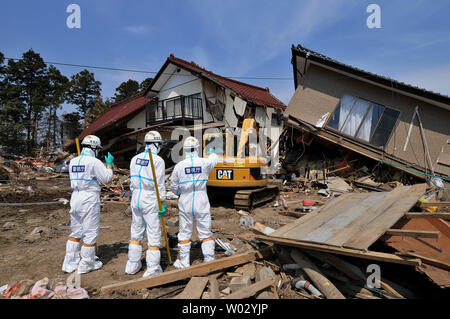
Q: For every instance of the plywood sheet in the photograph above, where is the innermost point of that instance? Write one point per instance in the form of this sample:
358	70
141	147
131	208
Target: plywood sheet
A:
354	220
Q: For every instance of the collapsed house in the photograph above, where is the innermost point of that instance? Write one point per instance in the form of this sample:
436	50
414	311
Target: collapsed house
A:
382	119
183	94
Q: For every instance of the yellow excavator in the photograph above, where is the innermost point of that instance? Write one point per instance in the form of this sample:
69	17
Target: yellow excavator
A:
237	170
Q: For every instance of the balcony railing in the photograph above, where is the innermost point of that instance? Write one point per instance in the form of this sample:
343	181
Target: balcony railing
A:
183	108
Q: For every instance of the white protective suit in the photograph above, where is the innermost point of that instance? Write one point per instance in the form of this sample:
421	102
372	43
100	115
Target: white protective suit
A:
144	207
188	180
86	172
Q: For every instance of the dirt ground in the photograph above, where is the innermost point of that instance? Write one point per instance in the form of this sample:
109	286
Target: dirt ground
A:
25	258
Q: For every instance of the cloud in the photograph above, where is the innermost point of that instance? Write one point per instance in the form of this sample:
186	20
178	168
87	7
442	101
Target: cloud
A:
251	35
435	78
138	30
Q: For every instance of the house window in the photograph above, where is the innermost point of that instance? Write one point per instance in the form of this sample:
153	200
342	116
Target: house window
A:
276	119
365	120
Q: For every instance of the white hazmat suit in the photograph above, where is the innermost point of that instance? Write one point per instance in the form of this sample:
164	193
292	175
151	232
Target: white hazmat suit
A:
144	207
188	180
86	172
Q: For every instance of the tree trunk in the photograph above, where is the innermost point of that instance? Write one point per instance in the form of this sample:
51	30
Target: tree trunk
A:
49	123
54	127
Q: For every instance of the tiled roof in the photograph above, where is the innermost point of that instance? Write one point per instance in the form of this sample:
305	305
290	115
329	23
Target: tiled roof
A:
254	94
117	112
372	76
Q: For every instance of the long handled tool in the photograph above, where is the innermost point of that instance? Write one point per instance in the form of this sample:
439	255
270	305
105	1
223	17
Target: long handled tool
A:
160	206
78	146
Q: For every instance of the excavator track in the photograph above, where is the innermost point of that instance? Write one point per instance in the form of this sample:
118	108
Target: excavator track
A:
246	199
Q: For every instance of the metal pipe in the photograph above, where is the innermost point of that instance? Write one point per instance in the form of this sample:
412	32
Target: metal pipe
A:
298	283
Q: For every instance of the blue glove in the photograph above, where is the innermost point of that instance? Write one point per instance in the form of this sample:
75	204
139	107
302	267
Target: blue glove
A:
162	212
109	160
212	150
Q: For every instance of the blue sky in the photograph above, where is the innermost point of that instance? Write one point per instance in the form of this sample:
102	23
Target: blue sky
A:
234	38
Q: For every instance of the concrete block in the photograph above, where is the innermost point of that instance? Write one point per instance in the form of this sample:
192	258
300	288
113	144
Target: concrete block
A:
264	273
238	283
266	295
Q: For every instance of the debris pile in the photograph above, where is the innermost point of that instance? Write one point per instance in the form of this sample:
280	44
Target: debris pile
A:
42	289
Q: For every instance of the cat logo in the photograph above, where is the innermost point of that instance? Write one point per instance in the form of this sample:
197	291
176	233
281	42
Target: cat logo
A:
224	174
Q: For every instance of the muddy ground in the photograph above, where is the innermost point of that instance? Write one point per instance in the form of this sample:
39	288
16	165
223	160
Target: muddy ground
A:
36	257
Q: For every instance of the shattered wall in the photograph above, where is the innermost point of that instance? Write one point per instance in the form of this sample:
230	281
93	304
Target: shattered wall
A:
320	91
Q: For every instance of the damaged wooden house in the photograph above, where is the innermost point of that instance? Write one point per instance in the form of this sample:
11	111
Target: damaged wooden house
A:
380	118
183	94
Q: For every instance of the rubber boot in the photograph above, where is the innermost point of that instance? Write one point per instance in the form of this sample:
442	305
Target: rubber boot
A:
134	263
208	251
72	258
183	261
88	262
153	258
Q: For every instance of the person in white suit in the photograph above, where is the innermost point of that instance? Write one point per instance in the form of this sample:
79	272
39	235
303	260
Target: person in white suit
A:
86	172
144	207
188	181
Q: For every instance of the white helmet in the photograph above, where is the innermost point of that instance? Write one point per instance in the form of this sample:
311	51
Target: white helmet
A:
191	142
92	141
153	137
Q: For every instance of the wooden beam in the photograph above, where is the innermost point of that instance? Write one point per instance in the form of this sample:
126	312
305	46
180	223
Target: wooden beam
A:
252	289
413	233
429	261
213	288
197	270
371	255
435	204
445	216
322	283
194	288
440	225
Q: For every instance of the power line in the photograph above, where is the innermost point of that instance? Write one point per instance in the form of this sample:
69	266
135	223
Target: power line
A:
153	72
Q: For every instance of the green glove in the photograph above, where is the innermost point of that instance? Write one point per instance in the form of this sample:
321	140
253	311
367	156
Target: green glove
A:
212	150
162	212
109	160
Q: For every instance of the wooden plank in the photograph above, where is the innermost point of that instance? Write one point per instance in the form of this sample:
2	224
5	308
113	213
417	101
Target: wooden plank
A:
435	204
197	270
374	206
429	261
413	233
214	292
319	219
440	225
252	289
375	229
322	283
194	288
444	216
371	255
280	232
337	230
